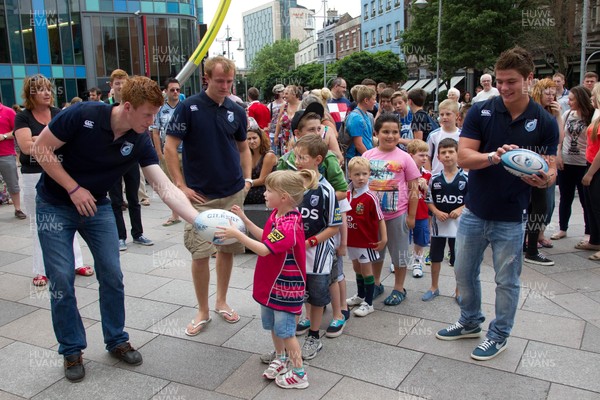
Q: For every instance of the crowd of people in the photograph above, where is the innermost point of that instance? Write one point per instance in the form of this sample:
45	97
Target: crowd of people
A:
417	187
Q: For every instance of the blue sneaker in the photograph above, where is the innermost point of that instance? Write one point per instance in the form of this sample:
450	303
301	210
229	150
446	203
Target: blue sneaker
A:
427	259
488	349
378	291
429	295
458	331
143	240
122	245
302	327
335	328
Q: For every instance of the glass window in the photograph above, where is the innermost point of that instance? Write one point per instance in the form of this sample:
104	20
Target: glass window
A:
52	23
110	44
151	29
77	38
61	94
124	54
366	11
388	32
134	44
27	24
397	29
16	36
373	38
4	49
97	39
380	34
188	39
8	92
366	43
65	28
165	51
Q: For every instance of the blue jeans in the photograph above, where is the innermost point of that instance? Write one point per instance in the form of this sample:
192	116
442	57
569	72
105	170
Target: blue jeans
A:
57	225
506	239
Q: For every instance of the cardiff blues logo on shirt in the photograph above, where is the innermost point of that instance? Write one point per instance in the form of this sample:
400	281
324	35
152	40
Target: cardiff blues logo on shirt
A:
314	200
530	125
230	116
126	149
461	185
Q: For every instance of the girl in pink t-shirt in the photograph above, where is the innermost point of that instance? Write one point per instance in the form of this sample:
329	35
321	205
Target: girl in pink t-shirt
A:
394	179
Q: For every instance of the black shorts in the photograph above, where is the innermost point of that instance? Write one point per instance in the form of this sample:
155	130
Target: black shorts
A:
438	244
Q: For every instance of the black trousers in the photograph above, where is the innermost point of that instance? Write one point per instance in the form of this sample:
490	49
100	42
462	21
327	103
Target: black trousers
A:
132	183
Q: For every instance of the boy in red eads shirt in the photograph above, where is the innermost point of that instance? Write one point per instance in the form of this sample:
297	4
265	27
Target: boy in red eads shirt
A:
280	274
367	234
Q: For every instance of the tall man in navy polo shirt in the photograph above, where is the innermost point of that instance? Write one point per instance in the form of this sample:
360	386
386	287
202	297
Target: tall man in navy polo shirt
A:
496	205
84	151
216	164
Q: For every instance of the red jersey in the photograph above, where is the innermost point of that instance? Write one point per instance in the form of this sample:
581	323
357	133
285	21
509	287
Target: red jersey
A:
280	277
422	209
260	113
363	219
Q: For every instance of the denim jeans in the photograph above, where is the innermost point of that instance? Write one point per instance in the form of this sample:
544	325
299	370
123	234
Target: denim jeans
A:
57	225
506	239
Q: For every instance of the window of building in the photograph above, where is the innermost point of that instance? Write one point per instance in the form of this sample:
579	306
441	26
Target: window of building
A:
15	39
27	25
388	5
109	44
388	32
372	8
380	34
373	38
366	11
366	40
397	30
4	49
380	6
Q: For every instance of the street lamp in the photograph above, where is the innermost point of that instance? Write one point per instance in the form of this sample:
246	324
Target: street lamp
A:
422	4
228	38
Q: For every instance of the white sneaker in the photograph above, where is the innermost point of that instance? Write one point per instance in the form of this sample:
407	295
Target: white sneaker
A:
392	270
364	310
417	271
355	300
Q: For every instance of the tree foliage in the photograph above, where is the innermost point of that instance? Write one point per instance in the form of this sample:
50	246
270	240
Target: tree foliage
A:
383	66
473	33
272	64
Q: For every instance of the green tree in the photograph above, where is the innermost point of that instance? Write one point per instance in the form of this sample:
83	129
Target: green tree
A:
474	33
272	64
309	75
383	66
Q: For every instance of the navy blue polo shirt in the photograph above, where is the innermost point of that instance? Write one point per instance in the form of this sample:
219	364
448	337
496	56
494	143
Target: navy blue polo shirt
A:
90	154
210	133
494	194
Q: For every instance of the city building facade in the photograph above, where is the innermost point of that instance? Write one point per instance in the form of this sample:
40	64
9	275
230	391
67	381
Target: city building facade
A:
383	22
78	43
348	37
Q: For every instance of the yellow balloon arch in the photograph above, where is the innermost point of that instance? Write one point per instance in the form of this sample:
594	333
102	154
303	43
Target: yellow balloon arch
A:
196	58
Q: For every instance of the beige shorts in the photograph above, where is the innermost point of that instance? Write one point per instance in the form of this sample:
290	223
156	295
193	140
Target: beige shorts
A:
163	166
202	249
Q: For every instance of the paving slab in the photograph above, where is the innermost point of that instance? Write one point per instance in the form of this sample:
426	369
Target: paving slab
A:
107	383
443	308
251	338
5	342
381	326
594	296
135	262
26	370
458	380
362	359
8	258
354	389
14	287
241	278
561	392
216	332
561	365
40	296
591	338
241	301
582	281
578	304
320	382
12	243
548	328
138	285
545	284
8	396
176	391
191	363
175	292
565	262
246	381
175	269
139	313
537	302
12	311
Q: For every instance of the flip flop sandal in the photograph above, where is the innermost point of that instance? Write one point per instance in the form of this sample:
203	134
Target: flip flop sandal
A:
171	221
193	331
40	280
546	243
85	270
395	298
558	236
229	316
585	245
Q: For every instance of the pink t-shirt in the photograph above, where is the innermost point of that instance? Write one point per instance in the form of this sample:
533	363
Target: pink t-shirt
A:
390	172
7	125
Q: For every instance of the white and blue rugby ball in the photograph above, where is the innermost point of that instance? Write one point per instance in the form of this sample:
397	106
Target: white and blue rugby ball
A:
520	162
207	221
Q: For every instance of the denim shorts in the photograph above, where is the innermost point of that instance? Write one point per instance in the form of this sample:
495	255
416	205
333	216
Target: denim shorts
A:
281	322
317	290
420	233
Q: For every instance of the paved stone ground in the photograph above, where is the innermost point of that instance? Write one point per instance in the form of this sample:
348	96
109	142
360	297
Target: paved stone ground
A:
554	352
